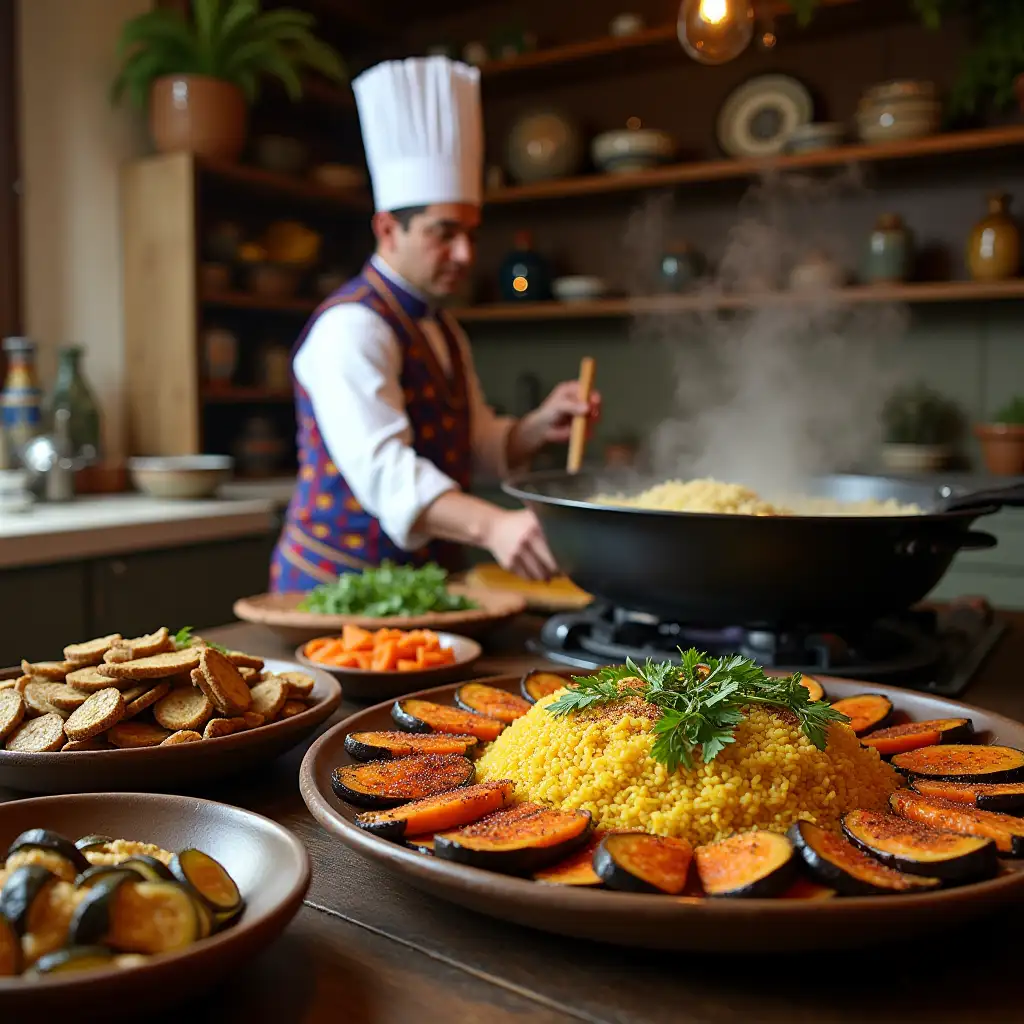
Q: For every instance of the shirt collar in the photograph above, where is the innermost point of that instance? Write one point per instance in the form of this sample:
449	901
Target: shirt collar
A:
392	275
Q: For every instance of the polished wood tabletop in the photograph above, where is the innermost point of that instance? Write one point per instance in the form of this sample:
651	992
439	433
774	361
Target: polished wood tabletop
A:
367	947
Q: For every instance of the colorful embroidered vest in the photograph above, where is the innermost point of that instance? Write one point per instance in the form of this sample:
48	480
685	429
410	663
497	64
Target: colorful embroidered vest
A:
327	532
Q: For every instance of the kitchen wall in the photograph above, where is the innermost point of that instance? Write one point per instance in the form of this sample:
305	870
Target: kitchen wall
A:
73	144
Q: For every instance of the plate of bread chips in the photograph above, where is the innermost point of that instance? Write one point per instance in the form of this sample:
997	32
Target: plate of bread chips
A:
153	712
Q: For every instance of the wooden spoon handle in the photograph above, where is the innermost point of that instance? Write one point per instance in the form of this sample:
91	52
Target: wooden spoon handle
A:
578	436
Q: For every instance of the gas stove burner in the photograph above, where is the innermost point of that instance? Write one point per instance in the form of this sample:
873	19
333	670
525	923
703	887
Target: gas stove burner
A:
937	652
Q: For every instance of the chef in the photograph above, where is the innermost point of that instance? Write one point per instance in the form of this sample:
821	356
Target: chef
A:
391	416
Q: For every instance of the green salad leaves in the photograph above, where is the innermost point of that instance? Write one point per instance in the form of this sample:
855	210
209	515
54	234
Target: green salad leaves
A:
702	700
388	590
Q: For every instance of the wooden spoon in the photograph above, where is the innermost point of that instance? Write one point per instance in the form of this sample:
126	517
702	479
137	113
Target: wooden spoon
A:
578	435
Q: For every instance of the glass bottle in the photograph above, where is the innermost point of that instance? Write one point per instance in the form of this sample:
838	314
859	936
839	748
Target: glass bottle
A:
21	400
72	392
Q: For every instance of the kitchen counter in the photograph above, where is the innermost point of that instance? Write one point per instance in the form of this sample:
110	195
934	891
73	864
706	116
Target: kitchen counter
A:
366	947
92	527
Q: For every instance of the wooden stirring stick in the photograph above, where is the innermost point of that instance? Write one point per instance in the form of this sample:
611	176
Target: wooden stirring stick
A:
578	436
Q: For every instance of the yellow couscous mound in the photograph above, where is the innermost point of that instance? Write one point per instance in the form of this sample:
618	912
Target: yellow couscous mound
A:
599	760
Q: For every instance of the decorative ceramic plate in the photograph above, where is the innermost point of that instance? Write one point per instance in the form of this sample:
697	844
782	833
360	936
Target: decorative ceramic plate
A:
359	682
667	922
270	866
164	768
758	117
280	613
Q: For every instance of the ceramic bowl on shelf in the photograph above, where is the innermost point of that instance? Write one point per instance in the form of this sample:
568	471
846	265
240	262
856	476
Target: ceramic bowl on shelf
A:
578	288
543	145
815	136
898	111
629	150
186	477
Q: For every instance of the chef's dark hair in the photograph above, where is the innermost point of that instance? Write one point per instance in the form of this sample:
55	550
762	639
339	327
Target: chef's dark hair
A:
405	215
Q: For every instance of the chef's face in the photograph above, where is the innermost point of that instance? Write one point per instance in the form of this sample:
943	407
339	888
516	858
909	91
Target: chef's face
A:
433	248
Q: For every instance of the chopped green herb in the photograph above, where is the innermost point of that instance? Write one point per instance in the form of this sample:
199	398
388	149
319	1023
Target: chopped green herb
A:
184	638
702	699
388	590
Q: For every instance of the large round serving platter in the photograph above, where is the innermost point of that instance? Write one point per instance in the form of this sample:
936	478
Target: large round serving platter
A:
280	613
270	866
666	922
163	768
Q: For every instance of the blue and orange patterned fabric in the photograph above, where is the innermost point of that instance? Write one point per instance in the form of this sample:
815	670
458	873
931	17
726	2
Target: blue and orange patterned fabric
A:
326	531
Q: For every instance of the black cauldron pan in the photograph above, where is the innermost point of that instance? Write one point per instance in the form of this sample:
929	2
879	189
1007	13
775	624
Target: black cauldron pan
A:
759	572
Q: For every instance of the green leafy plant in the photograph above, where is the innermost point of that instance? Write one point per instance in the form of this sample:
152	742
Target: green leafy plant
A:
1011	413
233	40
995	59
702	700
919	415
388	590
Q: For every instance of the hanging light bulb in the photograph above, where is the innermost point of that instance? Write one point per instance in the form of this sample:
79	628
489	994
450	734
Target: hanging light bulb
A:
715	31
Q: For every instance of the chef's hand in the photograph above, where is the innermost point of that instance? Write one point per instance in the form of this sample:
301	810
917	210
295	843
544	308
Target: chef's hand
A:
517	543
551	421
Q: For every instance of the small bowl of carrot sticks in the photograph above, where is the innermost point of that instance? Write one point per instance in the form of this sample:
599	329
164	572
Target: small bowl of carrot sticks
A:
382	663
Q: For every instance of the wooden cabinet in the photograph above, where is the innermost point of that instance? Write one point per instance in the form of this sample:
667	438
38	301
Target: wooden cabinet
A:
44	608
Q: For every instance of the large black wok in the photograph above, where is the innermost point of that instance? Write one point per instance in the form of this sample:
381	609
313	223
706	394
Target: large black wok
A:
778	572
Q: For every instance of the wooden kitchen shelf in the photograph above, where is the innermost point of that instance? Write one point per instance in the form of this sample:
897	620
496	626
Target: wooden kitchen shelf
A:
911	292
946	144
244	300
235	394
282	184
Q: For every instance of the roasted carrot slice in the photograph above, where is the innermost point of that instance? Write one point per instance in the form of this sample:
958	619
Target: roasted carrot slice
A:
356	639
1006	830
517	840
436	813
387	746
491	701
866	711
1007	797
813	687
390	783
539	684
963	762
901	738
414	715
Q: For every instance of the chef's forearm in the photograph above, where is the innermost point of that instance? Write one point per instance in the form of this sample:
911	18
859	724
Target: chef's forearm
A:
525	439
459	517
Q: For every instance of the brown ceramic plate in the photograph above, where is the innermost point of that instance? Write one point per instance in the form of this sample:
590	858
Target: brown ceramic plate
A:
360	683
664	922
165	768
280	614
269	864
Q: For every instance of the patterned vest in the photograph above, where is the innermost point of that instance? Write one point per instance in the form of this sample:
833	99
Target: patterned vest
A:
327	532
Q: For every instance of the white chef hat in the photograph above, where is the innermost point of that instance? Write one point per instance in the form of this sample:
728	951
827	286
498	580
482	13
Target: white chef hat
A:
422	130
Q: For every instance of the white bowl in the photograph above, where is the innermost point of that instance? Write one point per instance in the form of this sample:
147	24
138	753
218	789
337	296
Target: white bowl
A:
630	150
180	476
578	288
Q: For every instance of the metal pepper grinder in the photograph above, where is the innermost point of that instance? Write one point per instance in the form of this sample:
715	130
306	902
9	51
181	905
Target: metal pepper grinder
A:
60	478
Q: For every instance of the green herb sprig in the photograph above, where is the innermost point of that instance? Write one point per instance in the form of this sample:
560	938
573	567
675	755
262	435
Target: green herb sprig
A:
388	590
702	700
184	638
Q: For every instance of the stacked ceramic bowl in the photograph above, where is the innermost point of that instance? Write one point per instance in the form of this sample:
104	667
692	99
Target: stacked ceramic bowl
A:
898	111
631	150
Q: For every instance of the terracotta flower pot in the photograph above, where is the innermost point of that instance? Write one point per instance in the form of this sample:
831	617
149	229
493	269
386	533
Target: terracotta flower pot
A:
1002	444
197	114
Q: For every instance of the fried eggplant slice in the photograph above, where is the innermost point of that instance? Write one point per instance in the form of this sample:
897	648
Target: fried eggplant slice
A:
578	867
866	711
539	684
387	746
1007	797
208	879
747	865
1006	830
637	862
963	762
415	715
491	701
384	784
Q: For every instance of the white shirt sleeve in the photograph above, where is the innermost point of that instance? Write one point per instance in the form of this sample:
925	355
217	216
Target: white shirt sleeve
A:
489	432
350	366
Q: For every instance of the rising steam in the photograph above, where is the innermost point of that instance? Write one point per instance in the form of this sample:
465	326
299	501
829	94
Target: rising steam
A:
772	395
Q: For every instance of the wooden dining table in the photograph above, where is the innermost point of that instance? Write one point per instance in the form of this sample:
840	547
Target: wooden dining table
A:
367	947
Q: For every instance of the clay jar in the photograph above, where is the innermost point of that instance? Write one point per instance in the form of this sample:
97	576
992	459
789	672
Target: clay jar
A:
993	252
889	251
197	114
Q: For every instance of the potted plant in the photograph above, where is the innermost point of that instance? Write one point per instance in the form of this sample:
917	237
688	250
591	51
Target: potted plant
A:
921	429
198	76
1002	440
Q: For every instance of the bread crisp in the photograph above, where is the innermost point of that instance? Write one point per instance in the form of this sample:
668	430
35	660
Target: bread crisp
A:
222	684
91	679
269	696
91	652
102	710
182	736
12	711
299	684
154	667
54	671
137	734
37	696
217	727
147	699
183	710
291	709
38	735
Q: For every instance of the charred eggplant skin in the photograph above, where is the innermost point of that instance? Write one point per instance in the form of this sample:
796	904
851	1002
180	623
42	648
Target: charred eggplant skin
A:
1011	801
410	723
89	878
92	841
362	750
72	958
910	764
609	864
508	862
19	893
54	842
346	779
151	869
90	922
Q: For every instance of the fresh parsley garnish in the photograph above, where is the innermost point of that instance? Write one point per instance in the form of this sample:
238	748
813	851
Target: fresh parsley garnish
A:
184	638
702	700
388	590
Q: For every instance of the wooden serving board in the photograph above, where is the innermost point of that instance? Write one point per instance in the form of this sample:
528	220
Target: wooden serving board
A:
557	595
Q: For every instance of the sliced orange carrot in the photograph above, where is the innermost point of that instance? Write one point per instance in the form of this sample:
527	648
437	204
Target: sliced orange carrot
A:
355	638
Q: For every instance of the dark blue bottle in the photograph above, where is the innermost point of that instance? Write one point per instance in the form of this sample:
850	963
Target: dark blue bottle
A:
524	275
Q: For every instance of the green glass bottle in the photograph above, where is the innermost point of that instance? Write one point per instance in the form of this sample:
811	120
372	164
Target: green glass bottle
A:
71	391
